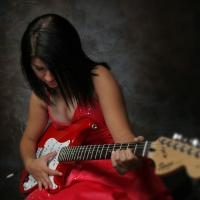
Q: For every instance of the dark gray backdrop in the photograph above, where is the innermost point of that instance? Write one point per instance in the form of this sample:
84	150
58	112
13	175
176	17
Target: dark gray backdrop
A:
153	50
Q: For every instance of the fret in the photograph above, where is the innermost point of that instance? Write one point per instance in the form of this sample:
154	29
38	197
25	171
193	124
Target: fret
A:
107	151
88	151
80	152
101	151
85	149
97	152
92	152
70	153
128	145
135	148
139	150
91	157
114	147
67	153
144	150
76	151
60	156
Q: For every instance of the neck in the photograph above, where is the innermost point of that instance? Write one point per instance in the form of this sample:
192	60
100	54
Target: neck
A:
95	152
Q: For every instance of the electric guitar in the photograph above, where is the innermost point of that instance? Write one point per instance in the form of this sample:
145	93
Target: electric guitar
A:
167	154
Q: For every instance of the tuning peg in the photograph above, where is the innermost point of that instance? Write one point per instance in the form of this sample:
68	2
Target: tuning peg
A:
178	136
185	140
194	142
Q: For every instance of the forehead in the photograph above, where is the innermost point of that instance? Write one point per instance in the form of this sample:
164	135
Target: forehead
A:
36	61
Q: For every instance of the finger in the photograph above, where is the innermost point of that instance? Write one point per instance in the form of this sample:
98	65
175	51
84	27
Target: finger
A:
115	158
117	161
39	185
130	155
134	161
128	160
139	139
54	172
44	183
114	163
121	158
47	182
49	155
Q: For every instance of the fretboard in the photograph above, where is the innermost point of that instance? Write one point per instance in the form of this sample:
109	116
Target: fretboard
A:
96	152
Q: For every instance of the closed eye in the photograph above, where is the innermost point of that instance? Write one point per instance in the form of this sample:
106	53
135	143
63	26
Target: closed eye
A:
39	69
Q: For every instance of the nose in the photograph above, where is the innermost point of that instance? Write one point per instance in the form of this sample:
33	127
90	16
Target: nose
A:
48	76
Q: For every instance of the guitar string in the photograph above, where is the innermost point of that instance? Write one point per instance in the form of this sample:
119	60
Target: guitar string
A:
106	146
110	146
140	144
88	148
197	152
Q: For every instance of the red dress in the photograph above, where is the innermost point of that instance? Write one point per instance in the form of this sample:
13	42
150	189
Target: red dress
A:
98	180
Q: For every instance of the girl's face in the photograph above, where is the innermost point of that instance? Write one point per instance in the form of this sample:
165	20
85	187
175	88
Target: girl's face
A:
43	73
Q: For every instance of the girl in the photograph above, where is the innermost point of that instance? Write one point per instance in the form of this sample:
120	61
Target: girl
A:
68	86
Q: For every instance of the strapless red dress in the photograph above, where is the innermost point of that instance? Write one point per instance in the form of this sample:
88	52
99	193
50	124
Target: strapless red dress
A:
98	180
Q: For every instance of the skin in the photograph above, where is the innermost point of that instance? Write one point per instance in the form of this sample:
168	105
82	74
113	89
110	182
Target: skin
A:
106	92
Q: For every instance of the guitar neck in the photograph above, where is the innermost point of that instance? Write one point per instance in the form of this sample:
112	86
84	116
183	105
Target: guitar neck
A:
96	152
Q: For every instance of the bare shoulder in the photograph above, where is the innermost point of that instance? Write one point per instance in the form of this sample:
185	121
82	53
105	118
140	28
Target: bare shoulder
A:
37	118
36	102
104	83
37	110
103	77
101	70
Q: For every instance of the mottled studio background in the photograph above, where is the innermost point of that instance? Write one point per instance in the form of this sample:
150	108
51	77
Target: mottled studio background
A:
153	50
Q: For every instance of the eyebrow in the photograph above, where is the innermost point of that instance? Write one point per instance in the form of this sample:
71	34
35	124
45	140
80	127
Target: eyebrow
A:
37	65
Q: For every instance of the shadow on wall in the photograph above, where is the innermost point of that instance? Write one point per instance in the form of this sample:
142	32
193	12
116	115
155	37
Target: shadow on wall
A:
153	50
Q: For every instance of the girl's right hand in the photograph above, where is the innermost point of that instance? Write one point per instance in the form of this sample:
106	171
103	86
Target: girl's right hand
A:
40	171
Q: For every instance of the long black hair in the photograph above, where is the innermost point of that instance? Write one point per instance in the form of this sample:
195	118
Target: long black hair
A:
57	44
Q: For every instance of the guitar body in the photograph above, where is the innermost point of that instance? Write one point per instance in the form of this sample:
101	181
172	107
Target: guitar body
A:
51	140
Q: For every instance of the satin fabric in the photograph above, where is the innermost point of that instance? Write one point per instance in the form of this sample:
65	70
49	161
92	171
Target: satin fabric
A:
97	179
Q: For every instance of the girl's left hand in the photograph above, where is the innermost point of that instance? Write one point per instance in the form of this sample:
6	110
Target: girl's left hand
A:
124	160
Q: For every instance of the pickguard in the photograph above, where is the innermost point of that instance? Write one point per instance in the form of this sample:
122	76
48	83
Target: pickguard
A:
50	145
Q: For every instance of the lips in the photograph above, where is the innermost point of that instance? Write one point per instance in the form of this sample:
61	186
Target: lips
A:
52	83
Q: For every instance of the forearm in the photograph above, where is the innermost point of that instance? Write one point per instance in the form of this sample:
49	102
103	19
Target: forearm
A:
27	149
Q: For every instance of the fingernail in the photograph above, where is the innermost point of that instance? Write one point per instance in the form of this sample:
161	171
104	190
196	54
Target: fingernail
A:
113	152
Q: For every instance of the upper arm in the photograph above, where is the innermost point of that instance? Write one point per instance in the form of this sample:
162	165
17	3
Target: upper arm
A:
112	104
37	119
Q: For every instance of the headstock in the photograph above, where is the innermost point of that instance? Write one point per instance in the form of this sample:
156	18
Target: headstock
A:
171	154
